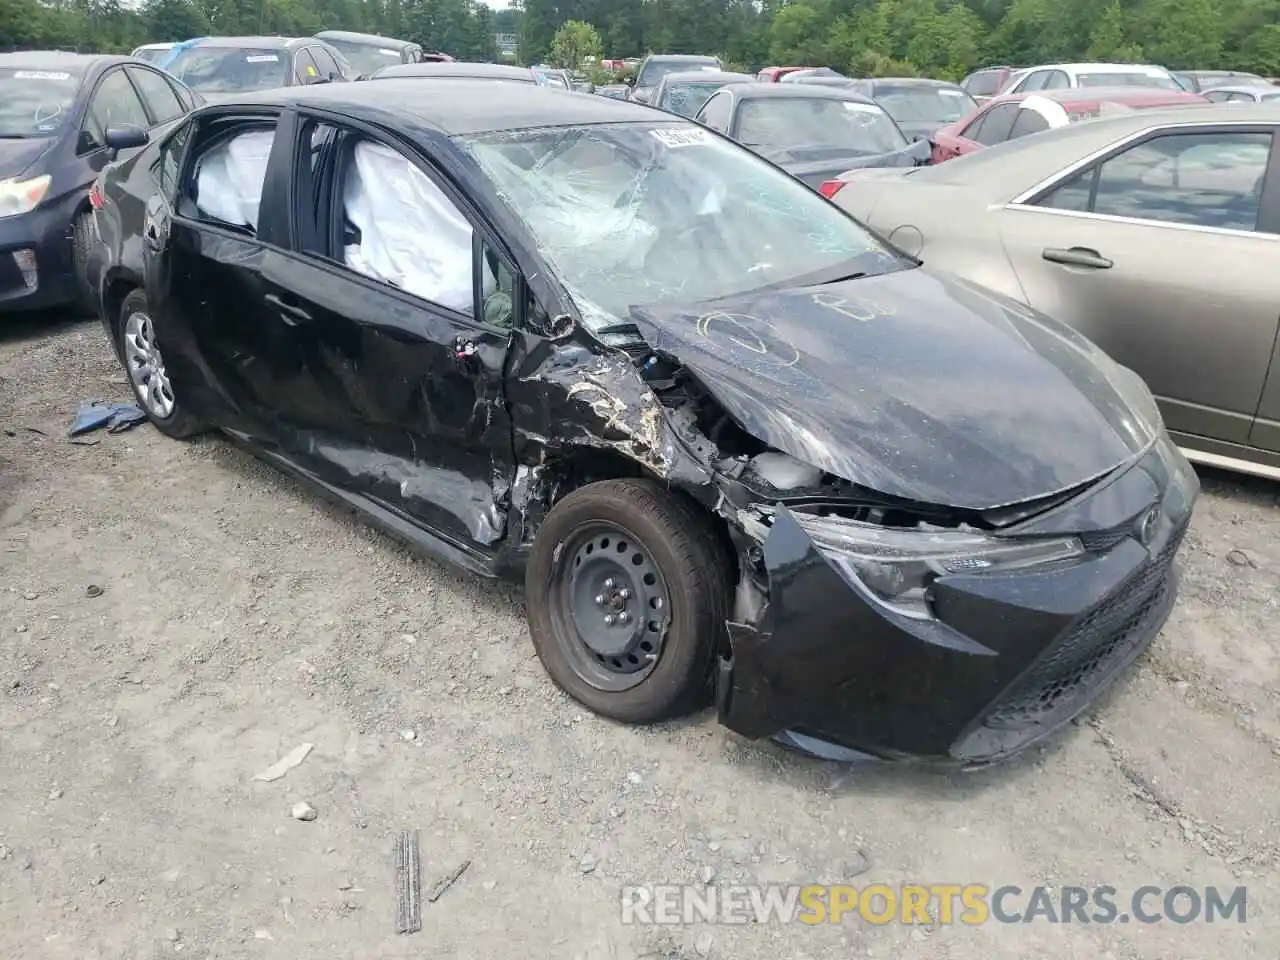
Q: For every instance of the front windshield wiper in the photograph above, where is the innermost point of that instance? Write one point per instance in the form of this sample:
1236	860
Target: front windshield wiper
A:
14	136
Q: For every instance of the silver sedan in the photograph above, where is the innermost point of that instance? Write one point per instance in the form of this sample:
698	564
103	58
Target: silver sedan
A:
1155	234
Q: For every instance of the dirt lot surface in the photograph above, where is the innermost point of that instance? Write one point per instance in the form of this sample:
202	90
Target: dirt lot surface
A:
240	617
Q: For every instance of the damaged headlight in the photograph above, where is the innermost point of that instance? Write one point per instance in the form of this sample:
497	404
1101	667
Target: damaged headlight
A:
897	566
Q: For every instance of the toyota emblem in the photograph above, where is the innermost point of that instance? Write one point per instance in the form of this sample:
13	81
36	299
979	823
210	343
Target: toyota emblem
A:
1147	525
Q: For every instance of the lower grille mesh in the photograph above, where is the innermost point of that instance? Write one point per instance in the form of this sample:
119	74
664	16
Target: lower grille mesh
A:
1064	676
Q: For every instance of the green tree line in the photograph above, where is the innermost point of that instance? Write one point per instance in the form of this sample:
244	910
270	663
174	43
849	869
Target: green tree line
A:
463	28
941	38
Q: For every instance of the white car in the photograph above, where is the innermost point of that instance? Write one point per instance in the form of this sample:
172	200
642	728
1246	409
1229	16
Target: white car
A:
152	52
1065	76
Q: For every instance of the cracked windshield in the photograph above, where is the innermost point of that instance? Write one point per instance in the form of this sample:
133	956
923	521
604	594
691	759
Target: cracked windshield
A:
639	214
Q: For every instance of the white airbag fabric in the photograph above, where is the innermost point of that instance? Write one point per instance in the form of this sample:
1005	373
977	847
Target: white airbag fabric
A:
411	235
231	176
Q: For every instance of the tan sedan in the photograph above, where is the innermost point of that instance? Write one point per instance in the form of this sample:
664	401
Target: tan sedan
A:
1155	234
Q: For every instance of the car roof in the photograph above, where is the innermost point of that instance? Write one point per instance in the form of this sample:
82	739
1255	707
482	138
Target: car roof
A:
796	91
1260	87
457	106
458	70
56	60
370	39
257	43
913	82
1100	67
1219	73
156	46
692	76
680	58
1112	94
1017	165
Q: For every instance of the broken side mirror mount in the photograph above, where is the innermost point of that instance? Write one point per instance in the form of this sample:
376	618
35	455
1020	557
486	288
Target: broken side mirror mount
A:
560	327
124	137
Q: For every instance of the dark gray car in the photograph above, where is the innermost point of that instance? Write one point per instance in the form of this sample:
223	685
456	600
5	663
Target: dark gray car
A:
658	65
685	93
1156	234
812	132
920	107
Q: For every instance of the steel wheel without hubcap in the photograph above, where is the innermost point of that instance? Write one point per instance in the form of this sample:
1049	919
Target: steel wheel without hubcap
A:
146	366
611	607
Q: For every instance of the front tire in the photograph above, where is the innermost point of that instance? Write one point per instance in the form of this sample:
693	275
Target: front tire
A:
627	591
81	245
147	373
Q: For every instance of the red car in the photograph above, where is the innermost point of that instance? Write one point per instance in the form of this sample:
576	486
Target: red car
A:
774	74
1018	114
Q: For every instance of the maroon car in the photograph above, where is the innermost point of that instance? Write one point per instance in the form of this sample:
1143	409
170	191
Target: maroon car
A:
1018	114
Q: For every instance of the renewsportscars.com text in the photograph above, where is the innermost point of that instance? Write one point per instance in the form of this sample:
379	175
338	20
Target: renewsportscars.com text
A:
967	904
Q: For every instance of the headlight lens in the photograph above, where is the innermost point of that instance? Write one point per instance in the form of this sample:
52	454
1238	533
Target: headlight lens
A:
897	566
22	196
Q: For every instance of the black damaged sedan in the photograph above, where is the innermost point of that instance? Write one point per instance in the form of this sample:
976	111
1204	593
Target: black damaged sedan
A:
737	447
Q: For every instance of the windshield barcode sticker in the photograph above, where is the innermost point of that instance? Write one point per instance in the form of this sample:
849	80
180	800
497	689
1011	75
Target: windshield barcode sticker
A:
40	75
262	58
677	137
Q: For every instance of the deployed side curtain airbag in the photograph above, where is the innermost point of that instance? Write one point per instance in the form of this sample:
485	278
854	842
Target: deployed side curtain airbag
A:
411	235
230	178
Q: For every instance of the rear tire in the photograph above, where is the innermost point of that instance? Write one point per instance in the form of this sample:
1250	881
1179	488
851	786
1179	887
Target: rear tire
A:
147	374
628	547
82	241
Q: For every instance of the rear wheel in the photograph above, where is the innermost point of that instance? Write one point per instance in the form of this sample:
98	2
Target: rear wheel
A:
627	590
148	375
81	245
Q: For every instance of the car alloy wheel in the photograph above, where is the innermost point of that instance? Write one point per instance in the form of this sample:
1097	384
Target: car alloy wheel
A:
146	366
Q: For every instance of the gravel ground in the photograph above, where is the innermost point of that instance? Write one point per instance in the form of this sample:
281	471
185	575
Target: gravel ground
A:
240	617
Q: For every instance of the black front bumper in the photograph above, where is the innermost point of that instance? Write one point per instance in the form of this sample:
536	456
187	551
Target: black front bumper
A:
43	235
1009	658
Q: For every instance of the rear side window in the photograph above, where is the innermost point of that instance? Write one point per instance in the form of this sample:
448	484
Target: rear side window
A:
996	125
1027	121
227	176
304	67
1034	81
984	84
327	65
157	94
717	112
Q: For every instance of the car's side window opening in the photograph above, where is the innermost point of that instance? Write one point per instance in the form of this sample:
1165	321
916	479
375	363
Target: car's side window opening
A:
497	289
166	165
1196	179
402	230
225	181
115	102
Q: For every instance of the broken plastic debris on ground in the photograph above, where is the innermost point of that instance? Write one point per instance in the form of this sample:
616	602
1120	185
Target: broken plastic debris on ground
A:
96	414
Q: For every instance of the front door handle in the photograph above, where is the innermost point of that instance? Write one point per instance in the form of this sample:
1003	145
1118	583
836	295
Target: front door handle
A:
1077	257
291	313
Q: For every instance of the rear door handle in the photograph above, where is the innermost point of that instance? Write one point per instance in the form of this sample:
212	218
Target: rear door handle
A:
290	313
1077	257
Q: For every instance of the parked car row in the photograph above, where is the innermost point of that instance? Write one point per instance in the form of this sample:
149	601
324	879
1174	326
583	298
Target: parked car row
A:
792	470
65	116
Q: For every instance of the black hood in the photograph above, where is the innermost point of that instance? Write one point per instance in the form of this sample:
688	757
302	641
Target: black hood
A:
17	156
915	384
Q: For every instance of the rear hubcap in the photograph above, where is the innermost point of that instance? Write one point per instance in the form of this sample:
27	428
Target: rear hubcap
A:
146	366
